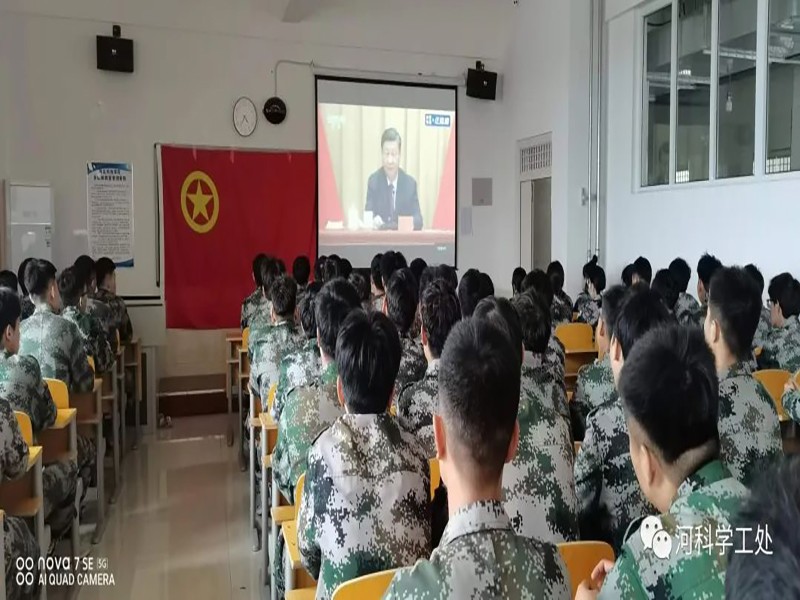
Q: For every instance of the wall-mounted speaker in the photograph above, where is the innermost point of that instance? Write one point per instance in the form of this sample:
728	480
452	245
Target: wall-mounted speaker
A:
114	53
481	83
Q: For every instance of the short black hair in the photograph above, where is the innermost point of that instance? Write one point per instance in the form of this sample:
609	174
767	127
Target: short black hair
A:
39	274
789	299
281	266
664	285
301	270
613	298
627	276
331	269
308	318
439	312
417	267
438	273
361	284
755	273
469	291
555	271
682	273
400	260
598	278
10	309
375	271
103	268
283	295
502	314
777	284
735	303
706	267
669	386
21	276
642	268
588	266
345	268
389	264
479	393
538	281
318	267
8	279
333	303
641	311
402	297
486	285
535	321
269	273
391	135
71	286
368	358
257	262
773	505
516	280
86	267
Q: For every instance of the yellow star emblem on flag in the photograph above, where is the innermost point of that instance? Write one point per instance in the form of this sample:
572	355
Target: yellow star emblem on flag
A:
200	202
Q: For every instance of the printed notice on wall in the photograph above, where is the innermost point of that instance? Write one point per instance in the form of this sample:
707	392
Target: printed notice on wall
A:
109	191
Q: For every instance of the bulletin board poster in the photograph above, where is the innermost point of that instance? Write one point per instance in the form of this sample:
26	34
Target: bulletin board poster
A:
109	191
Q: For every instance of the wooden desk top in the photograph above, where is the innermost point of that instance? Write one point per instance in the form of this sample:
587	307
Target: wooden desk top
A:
292	549
34	454
267	422
64	417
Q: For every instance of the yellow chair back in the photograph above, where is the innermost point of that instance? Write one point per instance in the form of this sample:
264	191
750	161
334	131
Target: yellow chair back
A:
245	338
25	426
59	392
576	336
367	587
90	359
271	398
436	475
581	558
775	380
298	494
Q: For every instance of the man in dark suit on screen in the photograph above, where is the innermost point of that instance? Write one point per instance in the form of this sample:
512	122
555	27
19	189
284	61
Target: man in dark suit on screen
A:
391	192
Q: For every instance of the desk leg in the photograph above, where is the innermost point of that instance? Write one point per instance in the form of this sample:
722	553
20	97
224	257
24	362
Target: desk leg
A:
266	519
138	389
123	404
76	522
240	418
115	441
100	448
289	572
252	475
229	373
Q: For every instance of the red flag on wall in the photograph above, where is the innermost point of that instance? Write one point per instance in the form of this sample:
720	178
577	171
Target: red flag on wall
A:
221	208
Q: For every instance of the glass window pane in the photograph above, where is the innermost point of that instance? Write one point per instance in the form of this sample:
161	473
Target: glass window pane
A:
694	90
783	107
736	138
656	96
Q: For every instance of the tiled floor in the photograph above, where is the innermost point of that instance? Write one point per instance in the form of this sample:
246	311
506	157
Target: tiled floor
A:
180	529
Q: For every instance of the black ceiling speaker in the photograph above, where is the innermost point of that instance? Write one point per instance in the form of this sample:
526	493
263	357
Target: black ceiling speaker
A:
481	83
115	53
275	110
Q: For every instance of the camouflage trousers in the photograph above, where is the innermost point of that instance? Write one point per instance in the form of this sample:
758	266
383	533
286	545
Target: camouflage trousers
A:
87	457
278	567
59	482
19	542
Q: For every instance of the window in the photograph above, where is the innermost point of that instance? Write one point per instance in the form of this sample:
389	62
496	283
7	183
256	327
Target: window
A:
783	106
657	90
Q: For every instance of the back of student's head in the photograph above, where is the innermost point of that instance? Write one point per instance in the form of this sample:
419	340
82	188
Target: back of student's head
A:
682	273
402	296
333	303
597	277
301	270
588	267
664	285
281	266
439	312
8	280
627	276
789	299
39	274
479	391
331	269
71	286
375	271
345	268
318	268
417	267
535	320
734	303
613	299
502	314
516	280
555	271
669	387
706	267
21	276
368	358
283	295
10	309
469	289
773	506
308	318
361	284
538	281
400	260
389	264
777	284
755	273
641	311
486	285
642	269
104	268
87	268
269	273
258	261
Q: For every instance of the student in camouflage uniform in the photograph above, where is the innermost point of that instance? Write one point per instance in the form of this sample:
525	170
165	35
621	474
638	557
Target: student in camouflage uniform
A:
469	292
609	498
749	430
584	297
669	391
480	556
19	541
376	282
256	301
73	298
782	347
402	296
516	281
366	504
107	294
642	273
589	310
27	303
765	319
538	485
562	303
686	306
300	368
100	311
301	272
538	282
595	385
664	285
706	267
416	402
359	282
8	280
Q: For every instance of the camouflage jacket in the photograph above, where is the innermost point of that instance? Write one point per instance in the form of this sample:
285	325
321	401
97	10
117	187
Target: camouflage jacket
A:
480	557
308	411
561	310
268	345
119	313
609	496
377	303
588	309
749	430
21	384
298	369
764	327
27	307
695	568
698	317
416	404
102	314
95	340
556	355
366	503
544	384
782	348
686	309
412	362
57	345
539	485
253	304
791	404
595	387
13	449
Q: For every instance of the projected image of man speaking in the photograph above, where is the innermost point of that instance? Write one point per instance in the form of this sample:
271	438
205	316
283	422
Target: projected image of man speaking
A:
391	192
